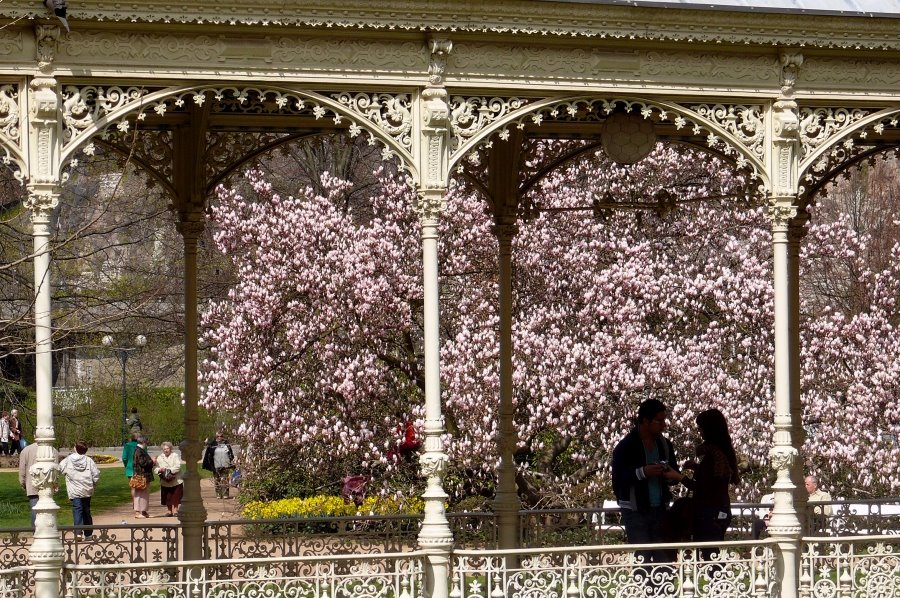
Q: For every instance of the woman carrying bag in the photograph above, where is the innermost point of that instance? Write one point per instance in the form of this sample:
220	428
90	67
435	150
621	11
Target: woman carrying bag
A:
168	468
142	465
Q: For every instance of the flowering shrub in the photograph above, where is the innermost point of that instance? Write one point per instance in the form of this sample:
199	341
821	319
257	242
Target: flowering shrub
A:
331	506
306	508
104	459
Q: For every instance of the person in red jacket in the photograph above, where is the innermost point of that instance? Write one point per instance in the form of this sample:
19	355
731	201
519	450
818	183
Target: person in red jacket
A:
408	442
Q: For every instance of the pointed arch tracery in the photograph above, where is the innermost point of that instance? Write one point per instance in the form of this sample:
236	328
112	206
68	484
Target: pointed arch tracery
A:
833	139
113	112
737	132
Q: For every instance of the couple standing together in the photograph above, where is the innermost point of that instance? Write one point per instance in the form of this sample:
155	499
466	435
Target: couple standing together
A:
645	466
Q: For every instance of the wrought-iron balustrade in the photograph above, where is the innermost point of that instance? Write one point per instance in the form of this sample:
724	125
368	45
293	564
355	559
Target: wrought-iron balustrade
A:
738	569
337	576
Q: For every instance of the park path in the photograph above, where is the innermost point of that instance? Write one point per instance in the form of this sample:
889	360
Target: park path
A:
217	509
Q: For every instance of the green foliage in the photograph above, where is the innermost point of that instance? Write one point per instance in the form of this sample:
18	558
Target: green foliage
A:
473	504
96	416
274	473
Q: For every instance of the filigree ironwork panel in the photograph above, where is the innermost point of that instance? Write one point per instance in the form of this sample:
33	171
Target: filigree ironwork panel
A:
16	577
819	125
17	582
10	124
470	115
227	149
735	131
308	537
121	544
398	576
87	106
857	568
833	138
153	147
746	569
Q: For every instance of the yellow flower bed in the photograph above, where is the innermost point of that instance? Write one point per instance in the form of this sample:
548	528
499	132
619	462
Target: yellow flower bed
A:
330	506
103	459
377	505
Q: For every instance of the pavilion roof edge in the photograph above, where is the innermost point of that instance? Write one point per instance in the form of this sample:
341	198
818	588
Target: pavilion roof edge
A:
501	17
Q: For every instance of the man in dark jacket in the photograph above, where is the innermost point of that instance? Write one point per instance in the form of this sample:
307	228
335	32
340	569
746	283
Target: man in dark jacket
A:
643	467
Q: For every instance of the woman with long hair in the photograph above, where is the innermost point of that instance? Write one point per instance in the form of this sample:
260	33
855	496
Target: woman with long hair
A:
714	470
142	465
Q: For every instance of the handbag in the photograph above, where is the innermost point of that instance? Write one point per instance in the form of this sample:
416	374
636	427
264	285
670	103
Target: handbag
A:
138	482
167	475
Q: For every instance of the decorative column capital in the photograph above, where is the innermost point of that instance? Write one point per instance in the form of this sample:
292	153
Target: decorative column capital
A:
435	120
41	201
505	231
430	206
787	217
191	225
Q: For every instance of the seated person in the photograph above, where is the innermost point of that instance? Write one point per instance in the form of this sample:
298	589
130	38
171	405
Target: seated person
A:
760	524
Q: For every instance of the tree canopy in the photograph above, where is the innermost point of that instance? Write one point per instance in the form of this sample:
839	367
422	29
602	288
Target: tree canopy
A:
318	344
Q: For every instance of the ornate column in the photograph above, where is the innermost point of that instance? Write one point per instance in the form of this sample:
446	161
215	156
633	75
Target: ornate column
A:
503	187
435	537
192	513
788	220
506	500
43	196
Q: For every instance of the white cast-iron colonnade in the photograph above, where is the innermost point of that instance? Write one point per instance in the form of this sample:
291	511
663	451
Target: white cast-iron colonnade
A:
196	90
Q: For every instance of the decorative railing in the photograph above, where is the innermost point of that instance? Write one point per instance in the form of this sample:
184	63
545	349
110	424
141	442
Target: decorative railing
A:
729	569
16	582
141	543
337	576
596	526
858	567
336	535
848	561
856	518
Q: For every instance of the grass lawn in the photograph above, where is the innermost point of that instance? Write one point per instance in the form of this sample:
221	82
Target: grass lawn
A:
112	491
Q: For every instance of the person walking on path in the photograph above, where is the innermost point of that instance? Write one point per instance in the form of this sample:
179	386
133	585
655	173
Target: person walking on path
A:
133	422
142	468
27	458
15	433
4	434
168	468
82	476
219	459
128	455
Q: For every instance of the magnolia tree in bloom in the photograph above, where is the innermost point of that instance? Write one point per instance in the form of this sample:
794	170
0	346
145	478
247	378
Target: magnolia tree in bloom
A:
317	348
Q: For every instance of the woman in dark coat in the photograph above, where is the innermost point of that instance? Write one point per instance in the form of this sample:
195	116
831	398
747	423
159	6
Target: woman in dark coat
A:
714	470
142	465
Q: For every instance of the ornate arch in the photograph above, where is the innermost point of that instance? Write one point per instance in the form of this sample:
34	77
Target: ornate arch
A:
89	111
736	131
834	139
11	151
229	150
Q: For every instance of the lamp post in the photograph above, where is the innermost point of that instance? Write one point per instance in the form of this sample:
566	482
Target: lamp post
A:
122	355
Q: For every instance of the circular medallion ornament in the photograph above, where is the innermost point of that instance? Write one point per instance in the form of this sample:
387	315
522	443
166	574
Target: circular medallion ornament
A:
627	137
